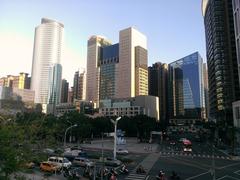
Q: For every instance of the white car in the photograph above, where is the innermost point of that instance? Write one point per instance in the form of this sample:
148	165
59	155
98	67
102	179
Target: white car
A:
122	151
60	161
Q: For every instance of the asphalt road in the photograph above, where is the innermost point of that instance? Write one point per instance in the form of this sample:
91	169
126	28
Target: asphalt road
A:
195	168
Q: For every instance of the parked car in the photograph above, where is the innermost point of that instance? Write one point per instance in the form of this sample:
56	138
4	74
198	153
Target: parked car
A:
48	167
72	152
81	161
60	161
122	151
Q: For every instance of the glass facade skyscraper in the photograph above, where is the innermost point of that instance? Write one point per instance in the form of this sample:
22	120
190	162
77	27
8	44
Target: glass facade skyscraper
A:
108	63
186	90
221	59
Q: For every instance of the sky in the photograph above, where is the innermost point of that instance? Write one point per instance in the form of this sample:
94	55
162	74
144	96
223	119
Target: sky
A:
174	29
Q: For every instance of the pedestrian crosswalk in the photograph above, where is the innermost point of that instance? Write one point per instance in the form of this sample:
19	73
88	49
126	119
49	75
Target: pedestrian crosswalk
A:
134	176
193	155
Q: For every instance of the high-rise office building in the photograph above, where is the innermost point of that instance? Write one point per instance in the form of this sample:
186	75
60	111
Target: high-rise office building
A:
118	70
205	82
221	59
20	82
108	67
93	71
132	46
46	65
76	85
236	16
158	86
64	91
79	86
186	93
70	95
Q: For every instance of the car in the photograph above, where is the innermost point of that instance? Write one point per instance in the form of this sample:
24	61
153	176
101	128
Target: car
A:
49	167
81	161
60	161
111	162
182	139
122	151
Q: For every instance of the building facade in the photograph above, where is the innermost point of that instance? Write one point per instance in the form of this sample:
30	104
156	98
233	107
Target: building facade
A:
205	82
147	105
79	86
236	17
118	70
158	86
221	59
93	69
64	91
129	40
46	65
22	81
186	90
108	66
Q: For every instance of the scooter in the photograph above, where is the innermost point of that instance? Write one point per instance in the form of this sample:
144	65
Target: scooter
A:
123	171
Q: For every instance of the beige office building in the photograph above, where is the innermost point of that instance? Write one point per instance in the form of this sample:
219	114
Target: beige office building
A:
93	69
127	84
119	70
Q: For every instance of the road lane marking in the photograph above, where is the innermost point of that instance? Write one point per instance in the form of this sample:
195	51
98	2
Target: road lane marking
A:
223	167
237	172
193	177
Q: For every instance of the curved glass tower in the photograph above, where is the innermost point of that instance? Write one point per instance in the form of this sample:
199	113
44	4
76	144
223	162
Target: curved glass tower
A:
46	64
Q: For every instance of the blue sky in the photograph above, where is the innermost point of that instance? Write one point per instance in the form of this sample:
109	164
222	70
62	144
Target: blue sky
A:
174	28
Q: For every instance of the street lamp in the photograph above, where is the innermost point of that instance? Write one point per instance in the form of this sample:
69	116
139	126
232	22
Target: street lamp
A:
115	136
64	145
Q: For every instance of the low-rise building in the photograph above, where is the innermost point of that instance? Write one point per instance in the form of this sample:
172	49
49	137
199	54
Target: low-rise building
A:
147	105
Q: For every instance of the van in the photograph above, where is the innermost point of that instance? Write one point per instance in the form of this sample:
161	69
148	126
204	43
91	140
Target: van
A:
60	161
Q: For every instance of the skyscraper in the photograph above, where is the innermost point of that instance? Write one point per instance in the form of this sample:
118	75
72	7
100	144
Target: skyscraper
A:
46	65
236	15
158	86
79	86
221	59
93	71
64	91
205	82
131	44
186	93
118	70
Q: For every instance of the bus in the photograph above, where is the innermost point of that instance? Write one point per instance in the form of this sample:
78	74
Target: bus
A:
187	145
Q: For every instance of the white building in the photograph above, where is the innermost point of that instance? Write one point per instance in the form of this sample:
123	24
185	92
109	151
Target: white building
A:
147	105
46	65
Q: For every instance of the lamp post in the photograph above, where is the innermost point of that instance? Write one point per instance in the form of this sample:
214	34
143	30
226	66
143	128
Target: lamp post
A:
115	136
71	131
64	145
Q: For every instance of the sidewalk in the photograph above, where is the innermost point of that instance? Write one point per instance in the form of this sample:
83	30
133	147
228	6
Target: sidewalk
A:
132	146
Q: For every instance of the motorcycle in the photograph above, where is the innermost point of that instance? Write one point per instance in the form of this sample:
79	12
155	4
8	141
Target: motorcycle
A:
160	176
123	170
